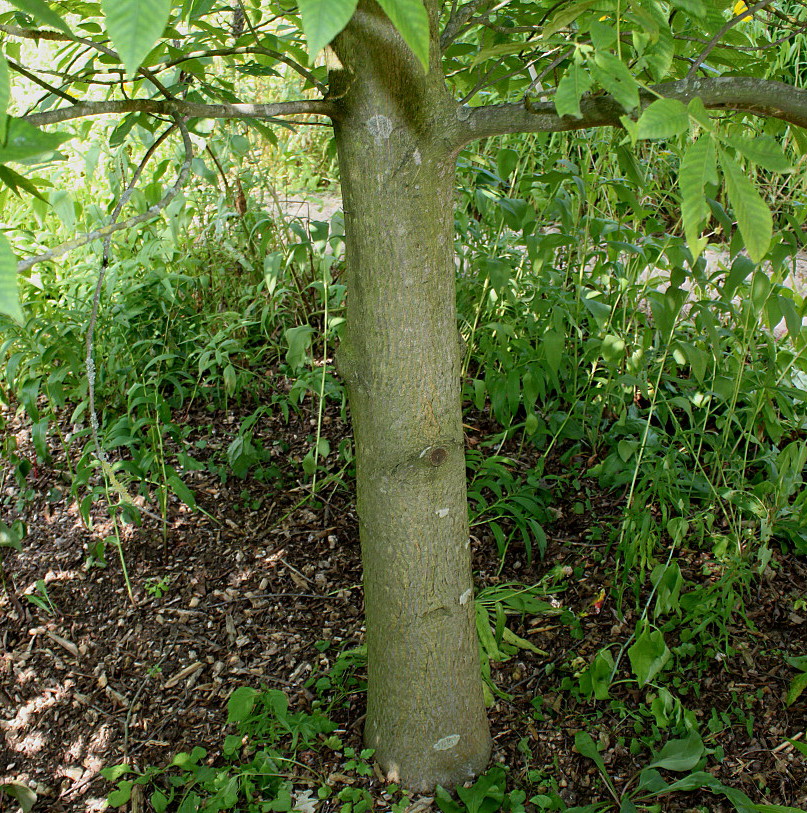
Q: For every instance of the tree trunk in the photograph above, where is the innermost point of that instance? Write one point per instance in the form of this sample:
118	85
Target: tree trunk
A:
400	359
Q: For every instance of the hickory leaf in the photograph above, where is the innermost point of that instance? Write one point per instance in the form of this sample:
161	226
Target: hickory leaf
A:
323	20
134	27
412	22
754	218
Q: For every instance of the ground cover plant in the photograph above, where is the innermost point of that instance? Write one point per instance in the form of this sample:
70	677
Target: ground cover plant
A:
621	395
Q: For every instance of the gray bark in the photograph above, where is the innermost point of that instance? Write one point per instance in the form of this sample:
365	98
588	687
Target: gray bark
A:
401	363
759	97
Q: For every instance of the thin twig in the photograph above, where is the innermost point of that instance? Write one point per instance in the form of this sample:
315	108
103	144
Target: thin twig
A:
459	17
41	82
90	361
134	700
27	33
749	12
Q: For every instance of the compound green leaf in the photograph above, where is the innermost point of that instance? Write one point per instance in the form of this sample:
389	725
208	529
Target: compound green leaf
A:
696	7
659	55
15	182
648	655
754	218
613	75
323	20
134	27
664	118
412	22
566	15
9	294
25	142
498	50
41	11
762	150
575	82
697	169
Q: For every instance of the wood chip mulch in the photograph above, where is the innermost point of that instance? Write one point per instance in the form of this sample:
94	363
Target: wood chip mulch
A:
255	583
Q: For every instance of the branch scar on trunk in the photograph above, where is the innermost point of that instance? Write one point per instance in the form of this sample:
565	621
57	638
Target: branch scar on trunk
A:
446	742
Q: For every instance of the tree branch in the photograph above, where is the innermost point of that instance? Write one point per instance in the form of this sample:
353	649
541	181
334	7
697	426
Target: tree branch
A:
41	82
710	46
37	34
459	17
193	110
295	66
105	232
759	97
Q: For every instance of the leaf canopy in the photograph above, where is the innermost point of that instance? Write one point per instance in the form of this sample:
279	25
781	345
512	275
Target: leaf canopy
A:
535	55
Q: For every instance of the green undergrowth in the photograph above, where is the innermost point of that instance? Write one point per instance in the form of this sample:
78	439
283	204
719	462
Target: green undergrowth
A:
208	311
643	373
277	759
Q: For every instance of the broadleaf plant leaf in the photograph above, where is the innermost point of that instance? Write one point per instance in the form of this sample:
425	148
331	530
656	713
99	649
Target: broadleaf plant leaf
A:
680	755
697	169
22	794
15	182
575	82
613	75
648	655
299	340
754	218
796	688
588	748
412	21
700	780
24	142
663	118
9	293
762	150
696	7
564	16
323	19
134	27
41	11
240	704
